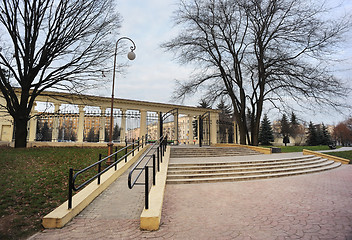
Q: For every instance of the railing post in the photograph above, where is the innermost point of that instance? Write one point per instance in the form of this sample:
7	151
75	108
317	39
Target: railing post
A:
126	151
133	147
158	164
138	144
163	146
154	170
146	187
142	141
99	169
161	154
158	154
115	159
70	187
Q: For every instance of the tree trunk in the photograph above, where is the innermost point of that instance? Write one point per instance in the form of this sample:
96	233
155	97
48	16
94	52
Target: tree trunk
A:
21	132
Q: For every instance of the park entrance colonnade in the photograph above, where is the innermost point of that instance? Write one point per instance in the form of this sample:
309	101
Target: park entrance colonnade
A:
88	117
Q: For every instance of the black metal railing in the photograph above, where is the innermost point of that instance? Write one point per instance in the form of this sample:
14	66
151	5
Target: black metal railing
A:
127	150
155	152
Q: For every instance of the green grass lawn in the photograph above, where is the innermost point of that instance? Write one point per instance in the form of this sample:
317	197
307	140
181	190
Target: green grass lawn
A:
300	148
345	154
34	182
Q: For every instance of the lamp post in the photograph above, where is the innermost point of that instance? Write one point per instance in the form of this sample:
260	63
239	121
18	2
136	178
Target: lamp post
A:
131	56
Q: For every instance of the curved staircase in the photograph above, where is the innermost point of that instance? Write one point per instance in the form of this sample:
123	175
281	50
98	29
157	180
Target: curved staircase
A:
197	152
240	170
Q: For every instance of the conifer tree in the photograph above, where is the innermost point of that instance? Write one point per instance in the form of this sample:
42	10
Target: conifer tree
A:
285	129
312	138
326	137
266	132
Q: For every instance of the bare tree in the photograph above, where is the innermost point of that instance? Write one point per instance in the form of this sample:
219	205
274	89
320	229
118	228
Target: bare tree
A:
51	44
257	51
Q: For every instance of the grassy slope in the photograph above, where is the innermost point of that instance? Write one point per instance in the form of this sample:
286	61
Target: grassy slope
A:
34	182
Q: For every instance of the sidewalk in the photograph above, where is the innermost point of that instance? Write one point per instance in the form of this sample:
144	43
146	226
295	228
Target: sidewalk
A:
313	206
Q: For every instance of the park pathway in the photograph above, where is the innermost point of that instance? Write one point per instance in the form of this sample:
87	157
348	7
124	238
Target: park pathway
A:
312	206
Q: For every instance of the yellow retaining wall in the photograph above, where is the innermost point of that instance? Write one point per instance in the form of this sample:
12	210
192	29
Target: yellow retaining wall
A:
61	215
150	218
327	156
255	148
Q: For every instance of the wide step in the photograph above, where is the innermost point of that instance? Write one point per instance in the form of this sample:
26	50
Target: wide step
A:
186	173
196	152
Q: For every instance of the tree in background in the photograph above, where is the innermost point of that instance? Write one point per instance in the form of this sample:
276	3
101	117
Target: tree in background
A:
312	138
285	129
116	132
294	128
343	133
225	122
92	136
51	44
204	104
325	136
266	132
254	51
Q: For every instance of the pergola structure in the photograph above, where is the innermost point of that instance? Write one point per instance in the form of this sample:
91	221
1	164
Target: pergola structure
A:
103	103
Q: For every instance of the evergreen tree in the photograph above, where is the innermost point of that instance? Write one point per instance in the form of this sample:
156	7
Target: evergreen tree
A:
294	125
92	137
116	132
326	137
285	129
266	132
312	138
203	104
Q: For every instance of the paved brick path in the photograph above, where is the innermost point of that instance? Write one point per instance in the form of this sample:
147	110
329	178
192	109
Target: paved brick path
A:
314	206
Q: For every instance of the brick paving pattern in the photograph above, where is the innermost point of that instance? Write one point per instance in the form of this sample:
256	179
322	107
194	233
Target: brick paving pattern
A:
313	206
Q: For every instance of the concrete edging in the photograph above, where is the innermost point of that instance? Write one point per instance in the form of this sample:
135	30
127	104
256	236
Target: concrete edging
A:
61	215
327	156
255	148
150	218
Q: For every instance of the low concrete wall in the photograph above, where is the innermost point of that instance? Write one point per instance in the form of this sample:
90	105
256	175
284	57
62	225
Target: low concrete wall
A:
150	218
255	148
61	215
327	156
70	144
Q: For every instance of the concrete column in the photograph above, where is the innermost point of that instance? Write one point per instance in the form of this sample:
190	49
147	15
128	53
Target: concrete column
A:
80	131
102	125
32	125
55	130
143	123
235	132
158	127
123	125
176	128
190	126
214	117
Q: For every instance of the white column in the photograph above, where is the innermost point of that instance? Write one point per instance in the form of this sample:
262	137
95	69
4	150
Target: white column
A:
33	125
55	130
190	126
214	117
123	125
102	125
143	123
158	127
176	128
80	131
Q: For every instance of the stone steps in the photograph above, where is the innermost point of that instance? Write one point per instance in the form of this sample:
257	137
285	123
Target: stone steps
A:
196	152
185	173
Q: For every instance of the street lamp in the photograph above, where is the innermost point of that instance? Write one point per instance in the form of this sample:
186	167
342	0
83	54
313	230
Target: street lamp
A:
131	56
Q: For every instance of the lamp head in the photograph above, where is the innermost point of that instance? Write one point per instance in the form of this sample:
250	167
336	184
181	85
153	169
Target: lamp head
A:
131	55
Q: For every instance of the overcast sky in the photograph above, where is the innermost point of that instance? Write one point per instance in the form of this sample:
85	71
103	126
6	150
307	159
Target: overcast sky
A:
151	76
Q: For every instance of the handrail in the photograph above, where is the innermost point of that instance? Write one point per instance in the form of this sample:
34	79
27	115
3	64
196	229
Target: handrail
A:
72	178
162	142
